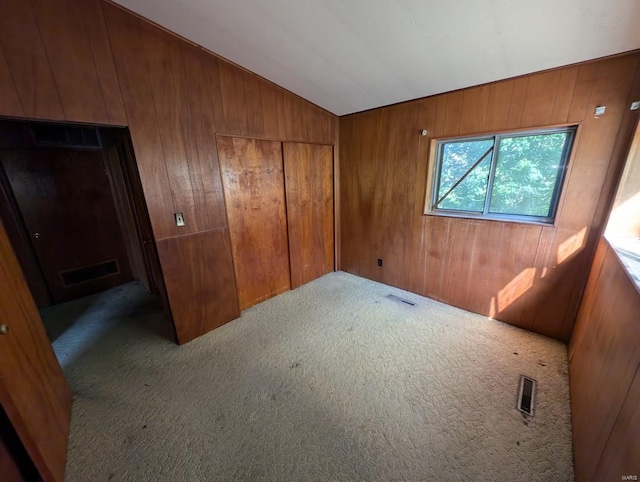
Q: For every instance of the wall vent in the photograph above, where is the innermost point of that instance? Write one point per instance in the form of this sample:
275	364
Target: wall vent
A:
89	273
56	135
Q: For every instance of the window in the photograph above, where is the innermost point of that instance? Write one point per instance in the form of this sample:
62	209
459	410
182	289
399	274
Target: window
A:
503	176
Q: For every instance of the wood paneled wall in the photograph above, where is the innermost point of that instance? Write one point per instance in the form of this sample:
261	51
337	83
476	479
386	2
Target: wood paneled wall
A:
91	61
525	274
604	372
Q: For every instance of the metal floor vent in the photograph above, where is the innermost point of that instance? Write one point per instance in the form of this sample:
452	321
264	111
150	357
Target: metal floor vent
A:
526	395
401	300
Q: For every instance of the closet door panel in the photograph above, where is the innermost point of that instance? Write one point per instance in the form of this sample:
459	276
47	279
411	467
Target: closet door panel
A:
308	171
252	173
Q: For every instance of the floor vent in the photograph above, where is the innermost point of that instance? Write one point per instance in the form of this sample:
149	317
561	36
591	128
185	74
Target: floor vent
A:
526	395
401	300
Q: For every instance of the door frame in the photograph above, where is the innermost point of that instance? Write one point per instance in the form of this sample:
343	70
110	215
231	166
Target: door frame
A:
22	442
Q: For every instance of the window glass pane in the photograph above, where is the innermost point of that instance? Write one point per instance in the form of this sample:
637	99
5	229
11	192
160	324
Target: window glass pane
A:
457	158
527	170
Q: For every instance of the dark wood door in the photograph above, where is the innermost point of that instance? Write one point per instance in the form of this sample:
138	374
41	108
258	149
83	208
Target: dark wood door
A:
308	173
65	201
254	192
33	390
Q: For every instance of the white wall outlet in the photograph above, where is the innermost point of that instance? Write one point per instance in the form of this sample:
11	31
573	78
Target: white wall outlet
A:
179	219
600	110
635	105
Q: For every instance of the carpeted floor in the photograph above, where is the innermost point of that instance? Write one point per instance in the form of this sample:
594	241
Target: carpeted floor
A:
332	381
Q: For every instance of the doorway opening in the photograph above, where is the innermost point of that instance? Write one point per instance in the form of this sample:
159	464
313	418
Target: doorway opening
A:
73	208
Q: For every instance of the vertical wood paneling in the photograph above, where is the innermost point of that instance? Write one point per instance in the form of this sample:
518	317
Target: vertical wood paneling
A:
441	116
396	202
308	175
621	453
516	105
27	60
437	237
9	102
425	113
474	109
166	74
126	42
603	369
273	106
564	95
482	300
253	105
587	73
205	171
72	64
457	262
96	30
454	113
540	98
499	104
228	113
540	272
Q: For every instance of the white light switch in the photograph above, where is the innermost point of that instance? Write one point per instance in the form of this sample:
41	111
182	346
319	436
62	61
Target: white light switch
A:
179	219
600	110
635	105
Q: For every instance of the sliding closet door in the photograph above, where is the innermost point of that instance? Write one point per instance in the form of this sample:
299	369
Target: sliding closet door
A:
308	172
254	193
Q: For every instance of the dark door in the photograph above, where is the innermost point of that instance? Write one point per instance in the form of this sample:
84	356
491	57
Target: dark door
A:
33	391
66	204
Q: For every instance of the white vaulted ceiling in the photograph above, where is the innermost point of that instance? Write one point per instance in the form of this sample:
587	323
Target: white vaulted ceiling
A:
353	55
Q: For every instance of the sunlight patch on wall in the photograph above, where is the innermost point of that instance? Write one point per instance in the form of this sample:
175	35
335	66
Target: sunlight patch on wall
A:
516	288
572	245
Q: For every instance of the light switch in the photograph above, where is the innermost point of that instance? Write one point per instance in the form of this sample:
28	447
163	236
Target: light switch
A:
600	110
179	219
635	105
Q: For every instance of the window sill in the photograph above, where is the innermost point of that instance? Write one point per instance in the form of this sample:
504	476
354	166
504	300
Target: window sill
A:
486	218
628	251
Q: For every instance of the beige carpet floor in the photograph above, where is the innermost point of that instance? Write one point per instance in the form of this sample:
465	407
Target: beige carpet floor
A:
331	381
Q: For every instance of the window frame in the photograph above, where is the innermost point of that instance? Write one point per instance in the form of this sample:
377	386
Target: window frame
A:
437	148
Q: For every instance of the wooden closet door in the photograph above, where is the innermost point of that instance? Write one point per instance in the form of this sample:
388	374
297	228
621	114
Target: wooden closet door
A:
253	181
308	172
33	390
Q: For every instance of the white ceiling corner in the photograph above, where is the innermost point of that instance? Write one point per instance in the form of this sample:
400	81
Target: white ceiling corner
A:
351	55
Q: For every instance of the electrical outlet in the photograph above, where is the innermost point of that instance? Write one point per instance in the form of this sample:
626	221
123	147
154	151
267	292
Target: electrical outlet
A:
380	262
179	219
